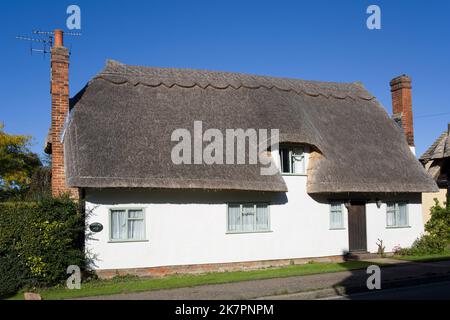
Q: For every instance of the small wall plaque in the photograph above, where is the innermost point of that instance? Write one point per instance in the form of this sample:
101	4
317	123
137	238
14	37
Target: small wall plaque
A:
96	227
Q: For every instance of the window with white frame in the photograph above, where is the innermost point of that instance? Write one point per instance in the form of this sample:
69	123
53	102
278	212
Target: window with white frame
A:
397	214
336	215
292	160
127	224
248	217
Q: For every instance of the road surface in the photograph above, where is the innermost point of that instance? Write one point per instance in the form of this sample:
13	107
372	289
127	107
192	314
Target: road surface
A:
430	291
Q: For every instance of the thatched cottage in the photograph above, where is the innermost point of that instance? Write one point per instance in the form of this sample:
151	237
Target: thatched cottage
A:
436	161
346	175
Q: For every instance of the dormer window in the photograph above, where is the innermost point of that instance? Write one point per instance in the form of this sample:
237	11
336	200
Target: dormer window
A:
292	160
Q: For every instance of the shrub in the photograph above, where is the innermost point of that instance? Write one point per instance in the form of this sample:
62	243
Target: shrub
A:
426	244
43	238
397	249
12	274
438	237
439	223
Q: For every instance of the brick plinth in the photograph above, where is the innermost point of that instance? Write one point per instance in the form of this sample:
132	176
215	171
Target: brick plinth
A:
213	267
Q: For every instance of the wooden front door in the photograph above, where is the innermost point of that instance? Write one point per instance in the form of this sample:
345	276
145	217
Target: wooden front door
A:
357	234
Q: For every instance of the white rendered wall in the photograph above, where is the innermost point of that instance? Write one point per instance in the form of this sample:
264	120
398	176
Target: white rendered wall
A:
195	233
189	227
392	237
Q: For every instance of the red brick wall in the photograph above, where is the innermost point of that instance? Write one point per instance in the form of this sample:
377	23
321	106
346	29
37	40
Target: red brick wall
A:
60	108
402	104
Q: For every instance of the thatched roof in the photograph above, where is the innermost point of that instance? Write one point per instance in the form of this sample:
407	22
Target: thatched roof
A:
440	149
437	158
121	125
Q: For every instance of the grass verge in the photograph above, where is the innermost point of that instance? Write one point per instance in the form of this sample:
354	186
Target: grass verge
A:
133	284
425	258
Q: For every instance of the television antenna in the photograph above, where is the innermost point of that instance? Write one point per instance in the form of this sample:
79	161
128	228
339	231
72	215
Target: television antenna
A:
45	39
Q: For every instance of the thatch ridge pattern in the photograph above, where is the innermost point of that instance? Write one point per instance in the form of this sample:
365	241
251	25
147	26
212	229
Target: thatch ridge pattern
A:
119	73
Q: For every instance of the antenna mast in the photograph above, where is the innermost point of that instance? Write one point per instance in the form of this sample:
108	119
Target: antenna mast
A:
46	39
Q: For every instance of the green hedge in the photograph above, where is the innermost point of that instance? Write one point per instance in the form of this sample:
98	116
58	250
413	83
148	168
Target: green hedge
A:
38	241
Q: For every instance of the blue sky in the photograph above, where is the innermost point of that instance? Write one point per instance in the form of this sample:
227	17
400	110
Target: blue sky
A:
317	40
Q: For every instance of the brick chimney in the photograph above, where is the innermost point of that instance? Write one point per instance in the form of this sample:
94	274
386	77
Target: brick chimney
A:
402	106
59	90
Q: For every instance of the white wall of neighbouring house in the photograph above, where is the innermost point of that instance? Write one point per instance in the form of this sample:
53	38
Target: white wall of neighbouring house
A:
189	227
428	202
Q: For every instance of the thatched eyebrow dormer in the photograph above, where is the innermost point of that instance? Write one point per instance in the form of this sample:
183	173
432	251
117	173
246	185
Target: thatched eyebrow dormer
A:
121	125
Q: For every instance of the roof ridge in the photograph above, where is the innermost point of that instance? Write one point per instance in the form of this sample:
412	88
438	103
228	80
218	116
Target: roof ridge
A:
119	73
115	63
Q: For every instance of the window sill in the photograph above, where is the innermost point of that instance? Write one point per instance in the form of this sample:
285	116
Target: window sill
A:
126	241
246	232
338	228
399	227
294	174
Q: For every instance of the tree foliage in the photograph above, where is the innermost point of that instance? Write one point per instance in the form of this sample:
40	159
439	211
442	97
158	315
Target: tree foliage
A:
17	162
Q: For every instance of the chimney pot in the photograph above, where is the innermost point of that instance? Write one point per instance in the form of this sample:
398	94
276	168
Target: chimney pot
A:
58	40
